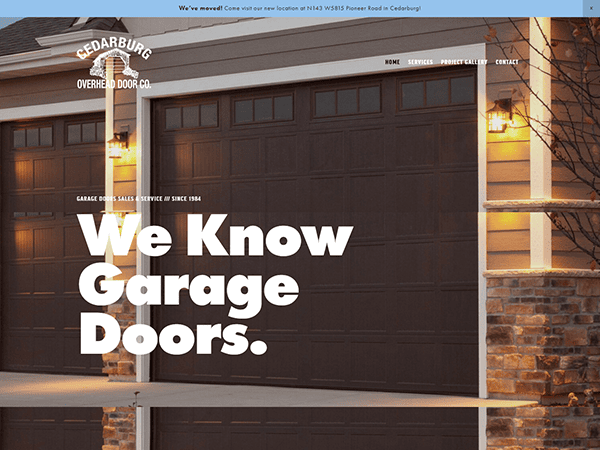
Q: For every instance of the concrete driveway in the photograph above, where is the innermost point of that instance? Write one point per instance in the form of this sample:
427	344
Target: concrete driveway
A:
27	390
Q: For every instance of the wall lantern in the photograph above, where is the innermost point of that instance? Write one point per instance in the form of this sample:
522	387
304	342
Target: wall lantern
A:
117	144
500	116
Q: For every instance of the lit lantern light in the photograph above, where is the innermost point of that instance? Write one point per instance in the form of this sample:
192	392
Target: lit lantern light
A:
117	144
500	116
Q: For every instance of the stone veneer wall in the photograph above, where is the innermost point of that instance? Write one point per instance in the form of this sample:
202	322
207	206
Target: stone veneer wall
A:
120	364
552	428
543	334
119	428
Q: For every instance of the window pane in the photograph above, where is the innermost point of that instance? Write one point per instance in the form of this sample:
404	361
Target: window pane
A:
209	115
173	118
243	111
46	136
19	138
412	95
325	104
33	139
88	131
369	99
462	90
73	134
100	131
284	108
263	109
437	92
191	117
347	103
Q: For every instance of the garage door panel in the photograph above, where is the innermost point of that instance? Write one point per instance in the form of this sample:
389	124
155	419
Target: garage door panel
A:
22	275
328	311
175	162
245	157
457	145
415	364
282	201
366	149
414	312
21	174
456	214
318	428
458	354
413	209
283	360
369	311
207	159
282	318
415	145
281	155
364	361
364	261
326	151
47	253
454	267
416	263
246	197
415	201
21	245
51	428
328	360
455	311
326	272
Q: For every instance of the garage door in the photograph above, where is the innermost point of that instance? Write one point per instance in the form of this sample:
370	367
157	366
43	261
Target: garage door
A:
45	166
395	157
316	428
51	429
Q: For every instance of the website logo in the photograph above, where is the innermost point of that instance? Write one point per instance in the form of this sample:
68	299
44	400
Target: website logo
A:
116	50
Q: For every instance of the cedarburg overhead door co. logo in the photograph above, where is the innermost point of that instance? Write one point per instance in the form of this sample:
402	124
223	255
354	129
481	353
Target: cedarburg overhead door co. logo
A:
116	50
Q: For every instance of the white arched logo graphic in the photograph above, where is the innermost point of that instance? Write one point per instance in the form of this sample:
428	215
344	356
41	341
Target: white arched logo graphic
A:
99	67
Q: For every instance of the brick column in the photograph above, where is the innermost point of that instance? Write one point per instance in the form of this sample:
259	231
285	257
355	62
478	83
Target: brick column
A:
576	428
543	333
119	428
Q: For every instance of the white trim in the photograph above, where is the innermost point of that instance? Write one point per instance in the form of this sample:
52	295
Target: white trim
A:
52	109
482	419
109	99
76	37
311	72
482	226
540	157
142	428
143	185
235	30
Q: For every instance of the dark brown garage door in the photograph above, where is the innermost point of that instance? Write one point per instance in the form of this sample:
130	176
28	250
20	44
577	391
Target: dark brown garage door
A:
316	428
51	429
393	156
45	166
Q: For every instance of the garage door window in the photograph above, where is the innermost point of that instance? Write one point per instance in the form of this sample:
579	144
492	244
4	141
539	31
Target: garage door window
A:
195	116
264	109
343	102
85	132
32	137
438	92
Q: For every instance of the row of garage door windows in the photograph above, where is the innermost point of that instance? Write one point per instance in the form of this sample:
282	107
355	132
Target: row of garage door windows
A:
42	136
327	103
343	101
